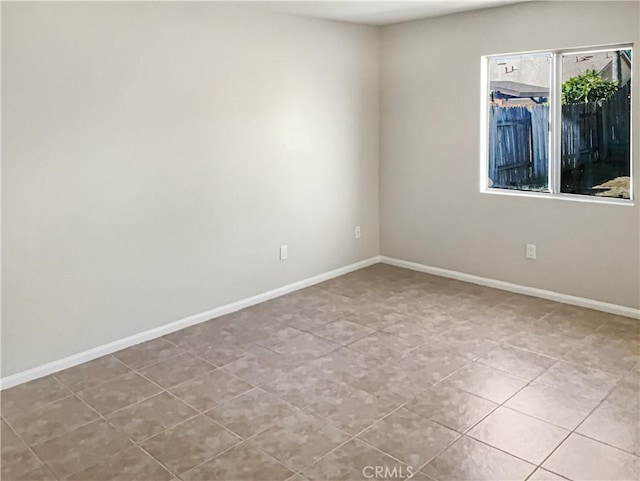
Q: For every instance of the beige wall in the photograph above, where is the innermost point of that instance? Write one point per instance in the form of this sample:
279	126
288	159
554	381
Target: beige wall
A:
431	209
156	155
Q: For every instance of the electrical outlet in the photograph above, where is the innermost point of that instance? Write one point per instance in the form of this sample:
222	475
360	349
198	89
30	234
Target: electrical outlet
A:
358	233
284	253
531	251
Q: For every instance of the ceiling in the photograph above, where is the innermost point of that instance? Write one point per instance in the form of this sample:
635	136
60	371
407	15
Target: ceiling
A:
374	12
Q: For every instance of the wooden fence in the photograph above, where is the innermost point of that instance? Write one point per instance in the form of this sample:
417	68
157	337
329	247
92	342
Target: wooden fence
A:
591	132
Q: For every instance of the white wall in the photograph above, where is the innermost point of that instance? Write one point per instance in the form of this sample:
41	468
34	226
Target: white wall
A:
431	209
156	155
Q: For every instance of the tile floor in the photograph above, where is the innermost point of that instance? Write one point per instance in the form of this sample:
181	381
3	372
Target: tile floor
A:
380	374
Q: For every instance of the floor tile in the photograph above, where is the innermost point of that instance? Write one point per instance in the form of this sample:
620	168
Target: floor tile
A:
81	448
92	373
430	366
299	440
53	419
597	351
15	472
118	393
251	413
32	395
486	382
300	385
151	416
303	347
208	390
132	463
525	364
302	373
391	381
297	477
411	303
469	349
572	326
520	435
348	408
345	364
242	463
330	308
261	366
618	327
544	475
586	319
220	351
409	437
589	383
543	341
188	444
452	407
356	461
527	308
12	448
585	459
420	476
612	425
17	460
342	332
176	370
185	337
307	321
278	333
479	330
552	405
481	463
382	346
147	353
416	331
625	394
376	318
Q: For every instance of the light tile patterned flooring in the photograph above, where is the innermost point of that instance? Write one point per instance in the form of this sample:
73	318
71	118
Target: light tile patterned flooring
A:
382	367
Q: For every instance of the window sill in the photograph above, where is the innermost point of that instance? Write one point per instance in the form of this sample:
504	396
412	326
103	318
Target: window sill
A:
568	197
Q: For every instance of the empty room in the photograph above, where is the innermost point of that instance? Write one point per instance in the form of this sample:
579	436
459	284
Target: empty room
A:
320	240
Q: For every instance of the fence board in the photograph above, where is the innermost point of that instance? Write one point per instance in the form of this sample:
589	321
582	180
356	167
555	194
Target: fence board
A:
590	132
510	145
616	117
540	135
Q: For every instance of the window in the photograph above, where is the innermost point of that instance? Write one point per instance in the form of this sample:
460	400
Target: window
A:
559	123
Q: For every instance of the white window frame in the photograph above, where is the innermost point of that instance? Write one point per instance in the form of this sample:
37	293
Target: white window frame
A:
555	119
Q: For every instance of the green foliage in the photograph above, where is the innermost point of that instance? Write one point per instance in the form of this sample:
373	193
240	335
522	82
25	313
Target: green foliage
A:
588	87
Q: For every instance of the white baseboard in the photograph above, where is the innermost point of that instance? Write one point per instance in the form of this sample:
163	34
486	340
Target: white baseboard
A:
508	286
111	347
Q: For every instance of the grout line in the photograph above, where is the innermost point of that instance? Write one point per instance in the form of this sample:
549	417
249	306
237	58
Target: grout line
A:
296	409
412	315
138	442
31	450
172	395
354	436
157	361
74	391
70	393
533	464
498	405
125	435
140	401
245	441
